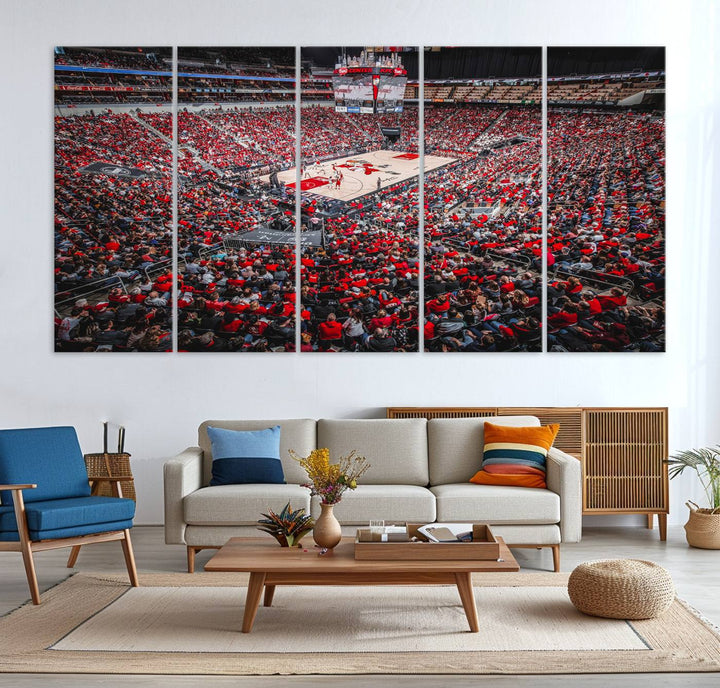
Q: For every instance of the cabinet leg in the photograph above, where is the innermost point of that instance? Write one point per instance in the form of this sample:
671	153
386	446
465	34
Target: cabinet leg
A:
650	521
662	523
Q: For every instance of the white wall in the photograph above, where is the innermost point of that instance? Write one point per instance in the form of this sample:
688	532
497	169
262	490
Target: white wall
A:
161	398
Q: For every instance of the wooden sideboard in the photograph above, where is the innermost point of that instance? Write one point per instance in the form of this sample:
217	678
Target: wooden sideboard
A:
622	451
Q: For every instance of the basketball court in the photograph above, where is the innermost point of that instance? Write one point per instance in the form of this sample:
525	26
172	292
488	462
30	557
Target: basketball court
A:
360	173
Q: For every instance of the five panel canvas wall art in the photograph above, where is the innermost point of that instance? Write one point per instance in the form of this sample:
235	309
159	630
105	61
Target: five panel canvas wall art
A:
359	199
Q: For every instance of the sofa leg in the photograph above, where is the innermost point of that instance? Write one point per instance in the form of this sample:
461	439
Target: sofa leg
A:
129	559
191	559
556	558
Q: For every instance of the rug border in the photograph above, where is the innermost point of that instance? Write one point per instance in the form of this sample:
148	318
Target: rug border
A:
94	591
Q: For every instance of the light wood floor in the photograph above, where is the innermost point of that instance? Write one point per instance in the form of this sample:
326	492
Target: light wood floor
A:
696	574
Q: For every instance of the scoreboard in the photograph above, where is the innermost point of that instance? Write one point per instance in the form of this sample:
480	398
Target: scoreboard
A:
390	93
353	90
369	89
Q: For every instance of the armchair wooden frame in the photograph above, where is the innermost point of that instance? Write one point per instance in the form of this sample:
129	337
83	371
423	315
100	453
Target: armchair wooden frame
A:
116	489
26	546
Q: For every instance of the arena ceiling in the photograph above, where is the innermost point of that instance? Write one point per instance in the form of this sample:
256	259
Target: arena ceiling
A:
567	61
510	62
482	63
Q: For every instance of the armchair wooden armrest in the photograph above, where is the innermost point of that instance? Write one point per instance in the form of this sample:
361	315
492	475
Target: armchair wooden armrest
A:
28	486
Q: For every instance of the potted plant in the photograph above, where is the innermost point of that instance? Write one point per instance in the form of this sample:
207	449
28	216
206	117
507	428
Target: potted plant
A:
288	527
328	481
703	527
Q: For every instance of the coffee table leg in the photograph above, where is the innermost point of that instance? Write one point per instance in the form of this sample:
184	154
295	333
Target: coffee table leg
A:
252	601
269	592
464	586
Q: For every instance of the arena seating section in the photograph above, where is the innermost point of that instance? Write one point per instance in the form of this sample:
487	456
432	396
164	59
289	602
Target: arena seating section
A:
483	231
606	219
359	291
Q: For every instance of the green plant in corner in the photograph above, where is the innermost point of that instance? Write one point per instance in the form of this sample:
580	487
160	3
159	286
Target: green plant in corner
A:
288	527
706	463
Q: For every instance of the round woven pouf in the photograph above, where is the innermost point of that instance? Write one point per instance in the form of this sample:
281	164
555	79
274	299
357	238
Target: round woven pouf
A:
621	589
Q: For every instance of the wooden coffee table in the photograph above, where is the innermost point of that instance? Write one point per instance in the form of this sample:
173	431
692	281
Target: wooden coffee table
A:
270	565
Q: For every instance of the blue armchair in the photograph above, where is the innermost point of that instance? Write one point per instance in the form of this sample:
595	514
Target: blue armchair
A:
45	499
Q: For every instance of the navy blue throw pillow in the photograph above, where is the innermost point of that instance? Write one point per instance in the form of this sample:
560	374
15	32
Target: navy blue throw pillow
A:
241	457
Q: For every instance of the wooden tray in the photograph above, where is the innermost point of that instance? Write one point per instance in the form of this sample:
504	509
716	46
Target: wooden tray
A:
483	547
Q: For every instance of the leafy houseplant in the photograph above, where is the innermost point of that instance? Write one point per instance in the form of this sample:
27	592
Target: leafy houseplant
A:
703	527
288	527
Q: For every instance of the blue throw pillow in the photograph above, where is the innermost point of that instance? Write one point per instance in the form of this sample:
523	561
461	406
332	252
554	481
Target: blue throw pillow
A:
251	456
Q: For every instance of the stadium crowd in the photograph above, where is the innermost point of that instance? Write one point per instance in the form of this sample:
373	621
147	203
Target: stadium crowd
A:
328	134
115	84
483	234
453	130
606	219
360	290
113	237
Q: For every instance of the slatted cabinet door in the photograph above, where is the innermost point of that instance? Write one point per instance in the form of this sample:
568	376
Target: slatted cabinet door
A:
623	461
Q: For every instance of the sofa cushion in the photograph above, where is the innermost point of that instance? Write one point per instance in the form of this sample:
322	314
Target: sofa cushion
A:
227	505
382	502
245	456
89	514
51	458
295	433
395	449
455	445
496	504
515	456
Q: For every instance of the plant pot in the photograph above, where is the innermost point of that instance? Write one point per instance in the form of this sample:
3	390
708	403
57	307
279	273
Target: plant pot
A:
327	532
703	527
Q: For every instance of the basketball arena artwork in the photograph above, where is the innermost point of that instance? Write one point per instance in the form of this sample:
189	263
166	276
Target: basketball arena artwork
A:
406	212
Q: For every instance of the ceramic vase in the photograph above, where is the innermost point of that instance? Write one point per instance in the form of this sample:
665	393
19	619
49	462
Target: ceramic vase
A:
326	532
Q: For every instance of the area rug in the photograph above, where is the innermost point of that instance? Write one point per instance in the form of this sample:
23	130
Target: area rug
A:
189	624
347	620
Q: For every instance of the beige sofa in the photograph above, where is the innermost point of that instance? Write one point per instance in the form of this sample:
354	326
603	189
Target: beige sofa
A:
419	472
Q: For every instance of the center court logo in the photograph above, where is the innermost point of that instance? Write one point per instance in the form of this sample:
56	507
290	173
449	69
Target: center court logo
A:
116	171
113	170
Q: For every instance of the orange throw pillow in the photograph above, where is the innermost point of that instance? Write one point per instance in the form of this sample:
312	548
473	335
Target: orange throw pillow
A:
515	456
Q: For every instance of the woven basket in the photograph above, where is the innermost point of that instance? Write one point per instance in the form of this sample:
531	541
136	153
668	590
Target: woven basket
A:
621	589
110	466
703	527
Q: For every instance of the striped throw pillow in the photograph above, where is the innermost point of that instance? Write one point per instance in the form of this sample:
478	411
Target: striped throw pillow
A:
515	456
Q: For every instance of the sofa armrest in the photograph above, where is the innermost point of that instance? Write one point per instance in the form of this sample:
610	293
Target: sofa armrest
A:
564	477
181	475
